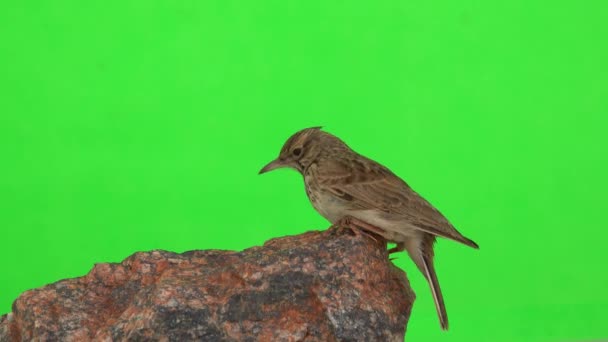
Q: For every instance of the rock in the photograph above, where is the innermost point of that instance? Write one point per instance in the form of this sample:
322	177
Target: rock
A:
317	286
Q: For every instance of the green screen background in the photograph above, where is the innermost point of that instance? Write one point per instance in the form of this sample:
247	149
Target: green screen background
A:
138	125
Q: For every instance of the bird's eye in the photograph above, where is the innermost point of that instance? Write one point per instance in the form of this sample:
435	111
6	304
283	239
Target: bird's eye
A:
297	151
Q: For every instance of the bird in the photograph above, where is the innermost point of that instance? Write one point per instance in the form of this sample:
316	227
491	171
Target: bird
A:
348	188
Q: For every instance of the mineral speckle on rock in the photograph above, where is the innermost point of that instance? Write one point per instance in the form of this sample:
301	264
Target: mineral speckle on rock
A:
317	286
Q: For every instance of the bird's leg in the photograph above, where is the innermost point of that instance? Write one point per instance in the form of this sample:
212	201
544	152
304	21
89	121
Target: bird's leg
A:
346	223
358	227
398	248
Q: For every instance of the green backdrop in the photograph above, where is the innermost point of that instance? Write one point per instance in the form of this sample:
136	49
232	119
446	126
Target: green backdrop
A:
136	125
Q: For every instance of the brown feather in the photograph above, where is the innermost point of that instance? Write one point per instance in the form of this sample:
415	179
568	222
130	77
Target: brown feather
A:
370	185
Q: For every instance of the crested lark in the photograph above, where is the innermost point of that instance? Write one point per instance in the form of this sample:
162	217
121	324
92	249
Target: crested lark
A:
348	188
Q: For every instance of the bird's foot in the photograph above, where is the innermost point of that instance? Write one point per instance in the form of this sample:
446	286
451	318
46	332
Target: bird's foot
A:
358	227
398	248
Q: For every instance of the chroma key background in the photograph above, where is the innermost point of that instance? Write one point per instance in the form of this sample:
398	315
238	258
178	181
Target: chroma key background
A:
135	125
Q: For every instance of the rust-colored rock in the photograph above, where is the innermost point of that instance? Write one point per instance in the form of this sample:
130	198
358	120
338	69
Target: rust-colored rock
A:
318	286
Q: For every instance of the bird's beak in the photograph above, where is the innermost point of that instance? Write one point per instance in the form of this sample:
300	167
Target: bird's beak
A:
275	164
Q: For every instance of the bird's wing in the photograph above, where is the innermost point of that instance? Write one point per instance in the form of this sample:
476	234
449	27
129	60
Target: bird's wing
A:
369	185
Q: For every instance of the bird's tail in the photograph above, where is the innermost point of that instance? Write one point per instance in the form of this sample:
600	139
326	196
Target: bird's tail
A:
429	272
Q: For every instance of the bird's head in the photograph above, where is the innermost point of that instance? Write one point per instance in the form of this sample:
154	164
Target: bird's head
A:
299	151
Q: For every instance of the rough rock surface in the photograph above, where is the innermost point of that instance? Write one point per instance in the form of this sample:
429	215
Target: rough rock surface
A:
317	286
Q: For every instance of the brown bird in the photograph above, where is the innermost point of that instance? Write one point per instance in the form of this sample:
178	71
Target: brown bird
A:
348	188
